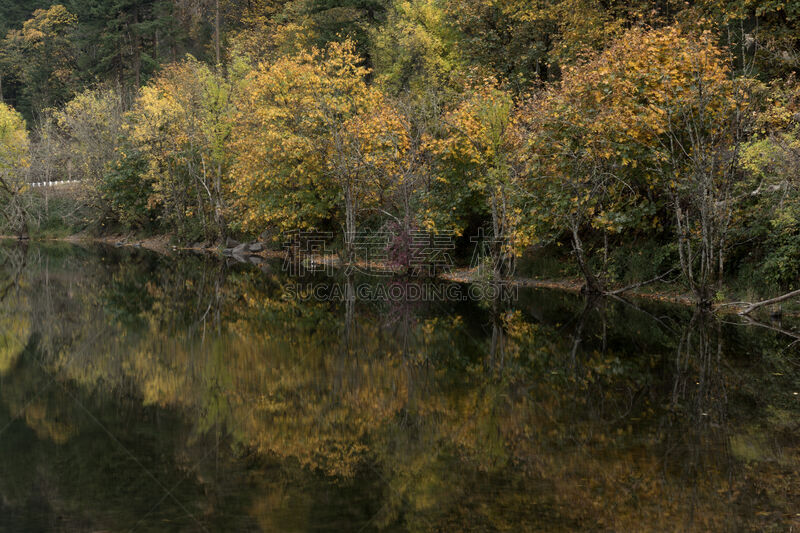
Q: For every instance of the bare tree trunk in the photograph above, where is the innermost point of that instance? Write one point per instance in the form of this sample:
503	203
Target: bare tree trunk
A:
698	281
350	223
593	285
219	206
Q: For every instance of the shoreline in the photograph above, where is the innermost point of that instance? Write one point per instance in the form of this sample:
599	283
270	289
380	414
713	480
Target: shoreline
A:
161	244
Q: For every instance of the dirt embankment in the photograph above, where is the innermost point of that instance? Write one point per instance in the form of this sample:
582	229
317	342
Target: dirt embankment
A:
161	243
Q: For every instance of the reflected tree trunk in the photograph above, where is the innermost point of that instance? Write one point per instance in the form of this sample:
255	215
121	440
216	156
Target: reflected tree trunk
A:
497	346
348	332
695	427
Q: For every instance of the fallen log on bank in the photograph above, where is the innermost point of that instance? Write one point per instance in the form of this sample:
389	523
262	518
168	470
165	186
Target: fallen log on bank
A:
752	307
639	284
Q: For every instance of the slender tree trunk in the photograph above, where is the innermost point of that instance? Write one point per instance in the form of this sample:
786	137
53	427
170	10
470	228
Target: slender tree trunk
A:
503	258
350	223
219	207
349	316
593	285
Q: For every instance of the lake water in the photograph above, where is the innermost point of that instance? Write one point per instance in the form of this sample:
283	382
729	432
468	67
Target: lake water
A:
148	393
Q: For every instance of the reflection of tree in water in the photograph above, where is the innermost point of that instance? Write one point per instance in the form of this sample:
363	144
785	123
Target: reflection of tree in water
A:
695	423
22	350
577	419
596	417
713	408
497	347
14	318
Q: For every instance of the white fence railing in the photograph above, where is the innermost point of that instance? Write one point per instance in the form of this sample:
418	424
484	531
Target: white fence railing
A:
53	183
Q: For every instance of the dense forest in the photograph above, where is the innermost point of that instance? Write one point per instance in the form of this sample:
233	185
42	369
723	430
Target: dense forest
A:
639	140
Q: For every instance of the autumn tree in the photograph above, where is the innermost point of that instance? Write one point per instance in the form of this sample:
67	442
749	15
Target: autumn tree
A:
699	117
313	142
476	169
90	126
13	165
181	124
655	122
406	186
771	192
571	177
588	172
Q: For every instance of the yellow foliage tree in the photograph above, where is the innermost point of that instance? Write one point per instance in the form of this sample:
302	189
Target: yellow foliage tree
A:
476	157
655	120
181	123
14	162
313	141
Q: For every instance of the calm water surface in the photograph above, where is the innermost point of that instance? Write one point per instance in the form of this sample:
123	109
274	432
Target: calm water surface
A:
145	393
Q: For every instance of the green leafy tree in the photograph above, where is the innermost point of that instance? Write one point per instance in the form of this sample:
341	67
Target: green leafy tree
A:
415	50
42	57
